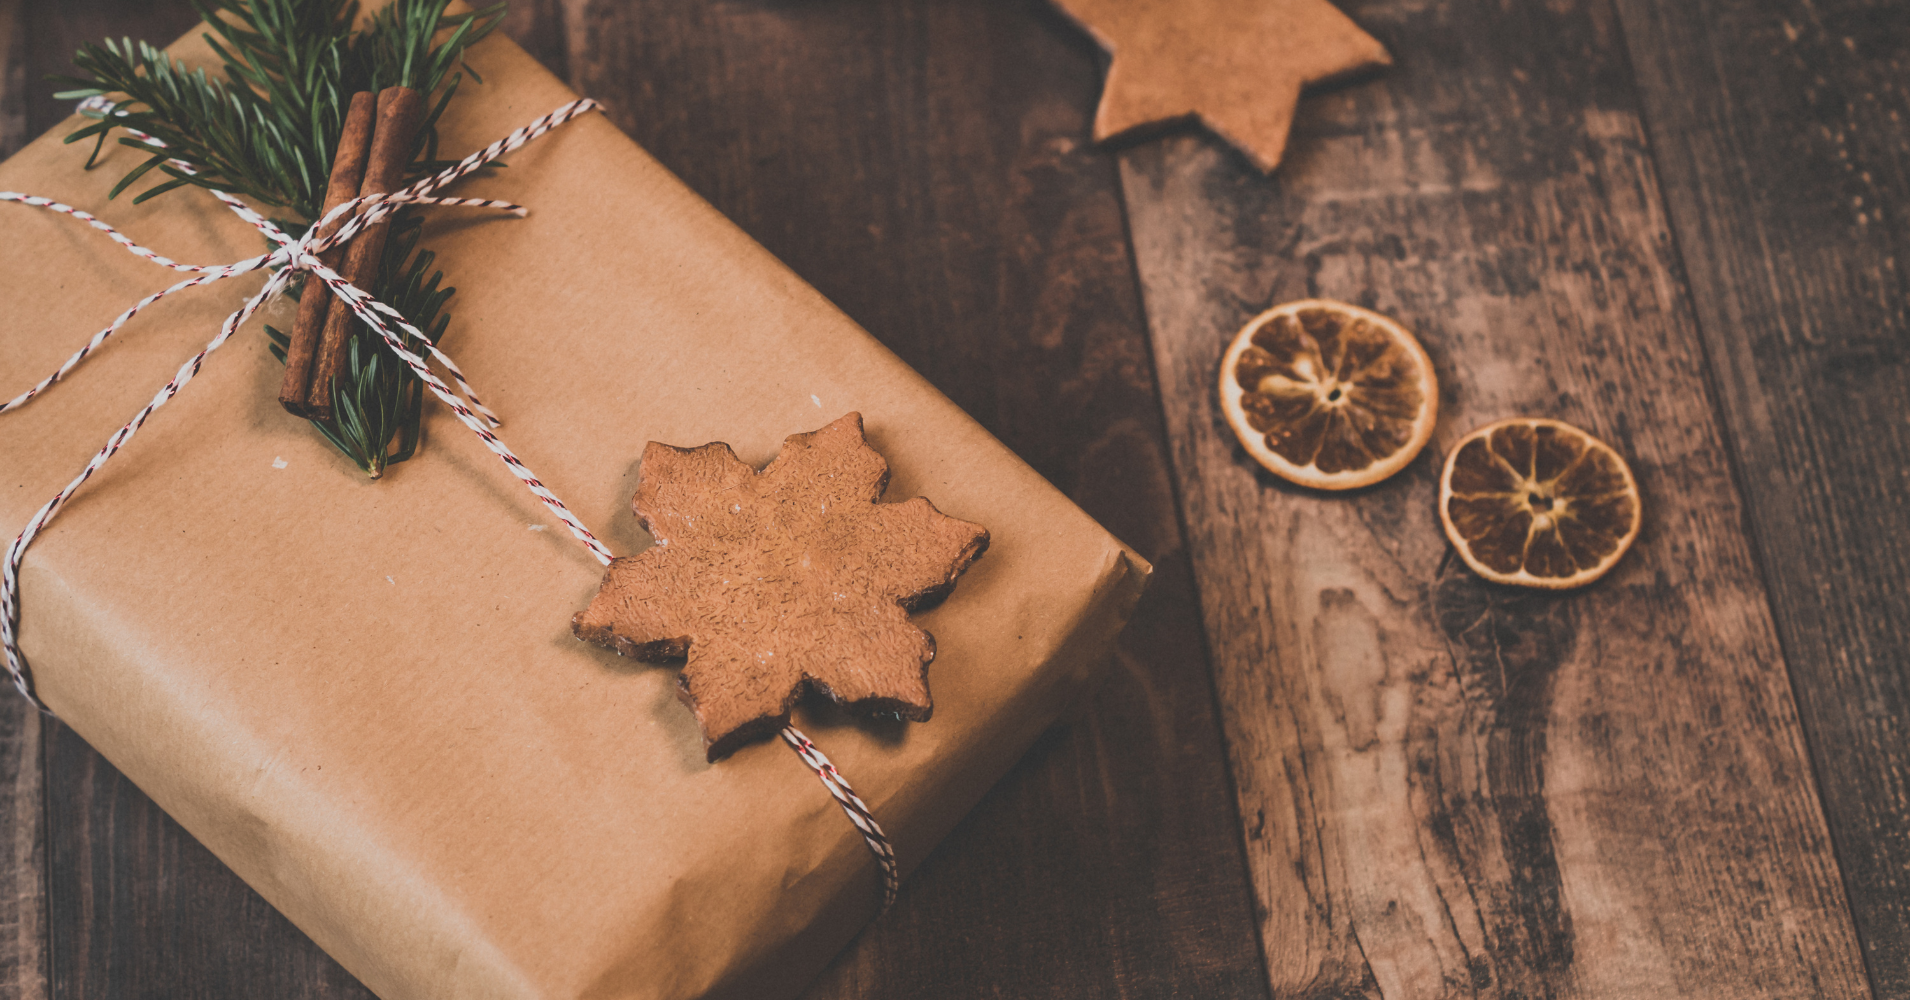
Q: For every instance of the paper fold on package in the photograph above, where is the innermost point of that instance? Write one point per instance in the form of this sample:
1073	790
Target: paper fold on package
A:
364	697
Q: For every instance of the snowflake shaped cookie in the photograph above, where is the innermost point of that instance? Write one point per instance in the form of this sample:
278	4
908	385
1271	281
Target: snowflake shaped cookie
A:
775	582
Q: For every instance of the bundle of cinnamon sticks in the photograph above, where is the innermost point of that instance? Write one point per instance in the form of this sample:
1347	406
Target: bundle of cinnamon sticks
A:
380	134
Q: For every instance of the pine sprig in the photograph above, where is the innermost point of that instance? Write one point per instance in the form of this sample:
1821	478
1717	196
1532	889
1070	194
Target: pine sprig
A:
233	140
268	132
379	399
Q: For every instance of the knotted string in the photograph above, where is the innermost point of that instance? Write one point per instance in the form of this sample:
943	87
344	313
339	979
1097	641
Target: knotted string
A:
291	257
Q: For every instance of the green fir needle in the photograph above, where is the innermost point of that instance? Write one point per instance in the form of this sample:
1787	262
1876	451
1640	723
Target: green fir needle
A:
267	132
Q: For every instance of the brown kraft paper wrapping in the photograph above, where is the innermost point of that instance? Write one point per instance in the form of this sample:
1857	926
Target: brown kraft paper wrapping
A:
365	698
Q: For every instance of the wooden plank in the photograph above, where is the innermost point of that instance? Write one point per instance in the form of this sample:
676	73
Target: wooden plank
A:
1782	133
23	940
923	163
23	937
22	818
1451	787
540	27
13	76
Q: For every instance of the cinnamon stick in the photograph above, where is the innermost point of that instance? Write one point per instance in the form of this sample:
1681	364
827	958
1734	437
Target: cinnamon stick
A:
348	172
400	112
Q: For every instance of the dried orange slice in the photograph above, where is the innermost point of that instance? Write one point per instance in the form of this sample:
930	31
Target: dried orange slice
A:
1328	395
1538	503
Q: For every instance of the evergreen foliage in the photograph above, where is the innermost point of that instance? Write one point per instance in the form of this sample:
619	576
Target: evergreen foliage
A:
268	130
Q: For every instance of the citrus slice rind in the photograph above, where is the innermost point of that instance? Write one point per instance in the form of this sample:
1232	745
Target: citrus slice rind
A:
1538	503
1328	395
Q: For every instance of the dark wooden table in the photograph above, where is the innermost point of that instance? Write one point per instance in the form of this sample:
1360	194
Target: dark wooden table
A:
1329	762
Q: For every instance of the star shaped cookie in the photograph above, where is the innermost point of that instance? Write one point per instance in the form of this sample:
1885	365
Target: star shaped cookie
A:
1237	65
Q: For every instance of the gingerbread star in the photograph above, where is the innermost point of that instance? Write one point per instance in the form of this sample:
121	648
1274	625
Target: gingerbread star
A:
780	581
1237	65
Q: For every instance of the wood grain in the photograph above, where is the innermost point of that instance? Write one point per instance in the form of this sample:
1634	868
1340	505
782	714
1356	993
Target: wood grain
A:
925	164
1452	788
1780	133
13	76
23	940
539	26
23	951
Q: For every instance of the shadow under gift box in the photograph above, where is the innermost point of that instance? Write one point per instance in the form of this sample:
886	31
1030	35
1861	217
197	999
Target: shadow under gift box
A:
365	698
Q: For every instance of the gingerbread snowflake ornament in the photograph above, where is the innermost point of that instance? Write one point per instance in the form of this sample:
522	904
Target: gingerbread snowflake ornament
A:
776	582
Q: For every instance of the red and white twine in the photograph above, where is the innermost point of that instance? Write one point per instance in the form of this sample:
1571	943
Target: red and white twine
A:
290	257
853	806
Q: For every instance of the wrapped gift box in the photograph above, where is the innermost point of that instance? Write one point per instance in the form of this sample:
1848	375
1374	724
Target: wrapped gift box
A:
365	698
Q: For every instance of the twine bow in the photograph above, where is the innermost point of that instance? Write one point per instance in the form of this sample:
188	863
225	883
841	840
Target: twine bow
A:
287	259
